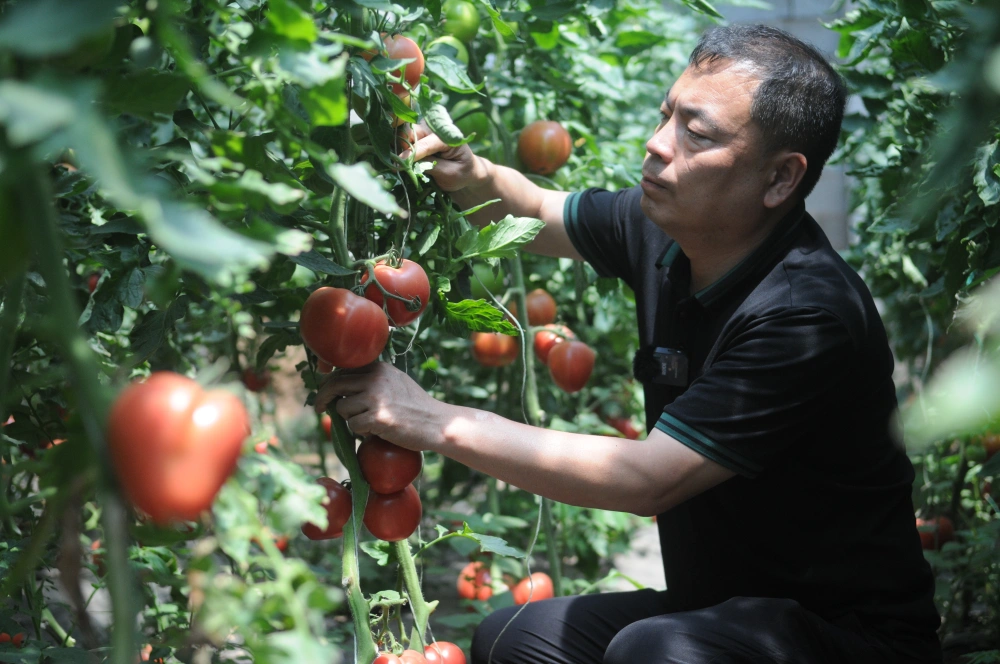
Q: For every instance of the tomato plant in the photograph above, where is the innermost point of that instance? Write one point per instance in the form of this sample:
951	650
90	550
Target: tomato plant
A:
408	281
387	467
342	328
544	146
492	349
398	47
395	516
533	588
174	444
449	47
338	511
444	652
474	582
541	307
570	365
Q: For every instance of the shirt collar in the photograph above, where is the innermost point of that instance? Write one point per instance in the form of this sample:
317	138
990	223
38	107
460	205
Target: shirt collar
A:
776	242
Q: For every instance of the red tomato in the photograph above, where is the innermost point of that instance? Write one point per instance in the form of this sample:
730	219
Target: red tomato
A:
387	658
92	281
625	426
991	442
4	637
388	468
173	444
97	557
342	328
549	337
338	511
18	640
474	582
412	657
261	447
544	146
281	543
538	586
408	280
541	307
393	517
323	366
571	364
443	652
492	349
399	47
935	532
256	382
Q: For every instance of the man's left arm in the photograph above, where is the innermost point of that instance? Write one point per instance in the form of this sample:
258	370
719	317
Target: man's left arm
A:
645	478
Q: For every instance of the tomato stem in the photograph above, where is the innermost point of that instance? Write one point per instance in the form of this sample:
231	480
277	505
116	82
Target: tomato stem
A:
343	441
533	412
38	216
420	607
8	327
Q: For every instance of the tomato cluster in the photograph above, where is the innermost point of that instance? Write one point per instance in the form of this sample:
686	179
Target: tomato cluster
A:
17	640
393	511
338	506
442	652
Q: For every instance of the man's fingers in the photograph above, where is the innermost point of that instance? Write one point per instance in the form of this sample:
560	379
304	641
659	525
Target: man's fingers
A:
339	385
425	147
352	406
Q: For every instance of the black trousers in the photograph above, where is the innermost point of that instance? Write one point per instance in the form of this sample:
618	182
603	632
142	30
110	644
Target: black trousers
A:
637	627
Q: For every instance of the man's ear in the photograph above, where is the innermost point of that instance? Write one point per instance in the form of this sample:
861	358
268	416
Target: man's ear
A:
788	170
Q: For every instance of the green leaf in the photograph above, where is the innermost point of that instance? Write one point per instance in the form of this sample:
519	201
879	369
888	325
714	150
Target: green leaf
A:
360	182
985	174
53	27
491	544
476	316
451	73
703	7
32	113
499	240
326	104
426	240
152	330
439	121
317	262
145	93
291	21
379	551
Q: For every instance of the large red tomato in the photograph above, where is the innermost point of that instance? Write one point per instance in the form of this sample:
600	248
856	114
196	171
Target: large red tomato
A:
413	657
570	364
342	328
256	382
443	652
338	511
408	280
387	467
549	337
544	146
935	532
474	582
393	517
492	349
387	658
174	444
538	586
541	307
398	47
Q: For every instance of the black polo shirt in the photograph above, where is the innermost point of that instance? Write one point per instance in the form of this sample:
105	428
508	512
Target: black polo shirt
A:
790	387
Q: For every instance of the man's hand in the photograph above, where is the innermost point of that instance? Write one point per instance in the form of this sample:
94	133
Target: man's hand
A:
456	168
383	401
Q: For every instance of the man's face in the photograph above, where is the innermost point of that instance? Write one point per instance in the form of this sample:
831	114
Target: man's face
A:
705	170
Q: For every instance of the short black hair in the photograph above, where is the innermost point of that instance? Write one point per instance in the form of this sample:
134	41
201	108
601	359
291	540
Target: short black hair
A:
799	103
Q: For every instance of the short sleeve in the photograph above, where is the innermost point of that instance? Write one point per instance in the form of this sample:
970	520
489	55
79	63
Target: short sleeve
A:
766	389
596	222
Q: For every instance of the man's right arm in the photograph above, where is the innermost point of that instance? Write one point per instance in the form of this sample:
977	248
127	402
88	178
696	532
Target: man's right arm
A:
473	180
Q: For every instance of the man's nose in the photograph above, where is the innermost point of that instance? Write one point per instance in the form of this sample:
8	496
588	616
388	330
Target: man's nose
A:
661	144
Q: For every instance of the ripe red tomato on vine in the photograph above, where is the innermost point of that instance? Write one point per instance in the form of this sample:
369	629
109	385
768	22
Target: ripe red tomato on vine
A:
541	307
387	658
570	365
444	652
549	337
342	328
537	587
412	657
474	582
408	281
544	146
256	381
173	444
393	517
388	468
398	47
492	349
935	532
338	511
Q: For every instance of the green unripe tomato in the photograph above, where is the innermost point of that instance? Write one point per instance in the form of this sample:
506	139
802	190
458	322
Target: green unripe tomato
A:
461	19
450	47
491	283
469	117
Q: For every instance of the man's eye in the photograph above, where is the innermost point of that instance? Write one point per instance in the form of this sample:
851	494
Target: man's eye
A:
696	136
663	118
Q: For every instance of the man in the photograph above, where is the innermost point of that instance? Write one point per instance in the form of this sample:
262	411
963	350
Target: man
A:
784	506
